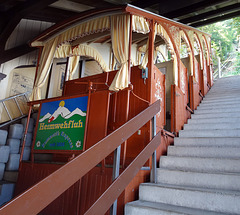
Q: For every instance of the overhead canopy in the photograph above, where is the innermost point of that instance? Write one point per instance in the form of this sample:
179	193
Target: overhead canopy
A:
59	45
63	41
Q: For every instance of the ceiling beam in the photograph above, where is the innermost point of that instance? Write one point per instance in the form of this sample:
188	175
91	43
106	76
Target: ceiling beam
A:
95	3
216	19
50	14
137	37
10	19
144	3
212	13
191	8
15	52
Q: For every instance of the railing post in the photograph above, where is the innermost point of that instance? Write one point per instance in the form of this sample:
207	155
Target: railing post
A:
7	111
18	106
154	155
116	167
219	68
25	133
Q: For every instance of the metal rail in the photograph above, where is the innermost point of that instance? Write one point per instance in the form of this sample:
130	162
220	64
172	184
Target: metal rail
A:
15	99
43	193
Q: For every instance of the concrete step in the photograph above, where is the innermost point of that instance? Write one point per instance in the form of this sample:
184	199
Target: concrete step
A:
218	110
217	103
223	99
205	151
213	120
207	141
214	107
214	99
204	199
199	180
222	93
210	133
212	126
209	165
219	94
215	115
226	94
154	208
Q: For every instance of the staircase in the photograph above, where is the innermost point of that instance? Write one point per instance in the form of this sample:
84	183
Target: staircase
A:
201	174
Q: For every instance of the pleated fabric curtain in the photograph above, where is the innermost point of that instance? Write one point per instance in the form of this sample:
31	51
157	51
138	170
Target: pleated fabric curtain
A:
49	48
44	68
120	31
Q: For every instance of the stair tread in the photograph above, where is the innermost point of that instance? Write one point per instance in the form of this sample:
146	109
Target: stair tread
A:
212	126
216	165
234	174
223	181
203	198
199	159
216	151
172	208
194	189
201	173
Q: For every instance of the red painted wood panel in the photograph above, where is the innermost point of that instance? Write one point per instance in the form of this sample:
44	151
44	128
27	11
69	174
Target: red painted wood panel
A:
205	80
98	117
184	88
31	173
158	92
178	109
195	98
138	101
80	86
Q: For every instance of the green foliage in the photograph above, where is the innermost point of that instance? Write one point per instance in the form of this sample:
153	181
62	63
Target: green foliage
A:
225	41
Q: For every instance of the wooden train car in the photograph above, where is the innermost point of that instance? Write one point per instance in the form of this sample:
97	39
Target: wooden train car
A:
96	72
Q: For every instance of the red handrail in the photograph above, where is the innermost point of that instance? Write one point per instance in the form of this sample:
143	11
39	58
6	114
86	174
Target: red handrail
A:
117	187
43	193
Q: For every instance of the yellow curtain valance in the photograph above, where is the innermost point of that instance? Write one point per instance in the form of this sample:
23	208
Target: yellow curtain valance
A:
63	51
86	50
140	24
50	51
81	50
160	49
162	33
87	28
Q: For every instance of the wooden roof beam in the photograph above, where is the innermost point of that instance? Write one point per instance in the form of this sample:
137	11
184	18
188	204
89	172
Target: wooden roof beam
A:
137	37
209	14
15	52
10	19
216	19
191	8
50	14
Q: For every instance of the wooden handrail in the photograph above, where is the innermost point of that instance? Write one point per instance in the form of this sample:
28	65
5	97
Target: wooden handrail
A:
201	95
167	133
189	109
117	187
43	193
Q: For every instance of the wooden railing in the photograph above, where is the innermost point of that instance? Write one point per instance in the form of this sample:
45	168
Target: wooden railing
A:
43	193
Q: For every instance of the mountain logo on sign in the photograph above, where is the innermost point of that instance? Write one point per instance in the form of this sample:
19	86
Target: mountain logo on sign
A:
63	111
